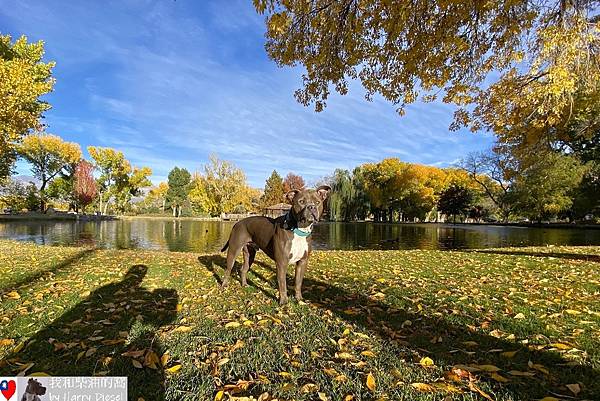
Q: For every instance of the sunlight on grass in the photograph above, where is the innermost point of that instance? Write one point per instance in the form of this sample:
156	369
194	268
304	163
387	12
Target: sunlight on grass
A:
509	324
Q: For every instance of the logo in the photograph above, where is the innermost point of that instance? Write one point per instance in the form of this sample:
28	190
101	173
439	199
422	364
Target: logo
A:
8	388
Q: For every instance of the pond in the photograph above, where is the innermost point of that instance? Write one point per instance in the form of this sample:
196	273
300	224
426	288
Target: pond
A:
209	236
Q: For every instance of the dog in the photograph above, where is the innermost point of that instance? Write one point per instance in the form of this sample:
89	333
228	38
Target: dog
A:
285	239
33	390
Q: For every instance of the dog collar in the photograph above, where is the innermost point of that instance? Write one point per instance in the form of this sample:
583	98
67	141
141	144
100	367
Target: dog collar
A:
301	233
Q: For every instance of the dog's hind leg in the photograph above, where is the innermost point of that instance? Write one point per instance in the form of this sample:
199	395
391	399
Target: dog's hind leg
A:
249	253
232	253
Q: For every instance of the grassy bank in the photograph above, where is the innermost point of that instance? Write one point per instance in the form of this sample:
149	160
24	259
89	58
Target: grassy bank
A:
512	324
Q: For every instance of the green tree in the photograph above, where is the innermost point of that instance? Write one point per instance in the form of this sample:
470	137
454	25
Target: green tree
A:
544	188
49	156
179	187
455	200
274	192
24	78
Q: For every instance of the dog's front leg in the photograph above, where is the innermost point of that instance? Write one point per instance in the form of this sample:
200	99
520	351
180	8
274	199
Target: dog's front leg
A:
300	270
281	283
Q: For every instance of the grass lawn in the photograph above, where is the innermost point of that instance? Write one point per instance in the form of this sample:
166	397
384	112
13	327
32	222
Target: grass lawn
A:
510	324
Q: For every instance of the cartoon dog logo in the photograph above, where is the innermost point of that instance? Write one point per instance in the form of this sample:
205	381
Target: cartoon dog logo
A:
33	391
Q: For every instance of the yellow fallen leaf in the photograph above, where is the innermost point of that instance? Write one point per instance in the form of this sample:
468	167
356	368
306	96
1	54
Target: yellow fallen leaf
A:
371	382
182	329
222	362
13	295
164	359
426	362
499	378
573	312
519	316
174	369
219	395
509	354
519	373
349	397
368	353
473	387
5	342
136	363
549	399
90	351
285	375
232	325
345	355
470	343
323	397
423	387
309	388
561	346
447	387
39	374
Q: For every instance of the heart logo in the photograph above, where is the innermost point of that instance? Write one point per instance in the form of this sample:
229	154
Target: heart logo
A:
8	388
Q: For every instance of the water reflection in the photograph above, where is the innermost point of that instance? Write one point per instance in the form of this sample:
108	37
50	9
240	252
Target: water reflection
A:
209	236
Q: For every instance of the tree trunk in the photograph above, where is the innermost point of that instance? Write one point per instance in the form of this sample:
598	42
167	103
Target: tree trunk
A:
174	210
178	211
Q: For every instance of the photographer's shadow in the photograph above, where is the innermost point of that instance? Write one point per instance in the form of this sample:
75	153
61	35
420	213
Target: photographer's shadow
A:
90	338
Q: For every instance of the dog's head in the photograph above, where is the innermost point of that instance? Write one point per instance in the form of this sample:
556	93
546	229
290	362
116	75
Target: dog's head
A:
307	204
35	387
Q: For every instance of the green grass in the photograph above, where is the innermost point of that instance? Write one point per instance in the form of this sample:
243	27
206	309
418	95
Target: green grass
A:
75	311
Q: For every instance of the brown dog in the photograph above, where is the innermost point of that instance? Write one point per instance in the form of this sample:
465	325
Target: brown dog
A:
285	239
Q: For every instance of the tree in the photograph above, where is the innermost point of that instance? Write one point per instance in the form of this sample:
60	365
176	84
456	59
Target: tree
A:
495	171
48	155
455	200
274	191
24	78
545	52
179	185
85	184
17	196
226	186
292	181
543	189
118	181
200	199
156	199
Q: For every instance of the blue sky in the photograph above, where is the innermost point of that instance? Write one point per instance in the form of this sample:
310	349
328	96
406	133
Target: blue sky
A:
170	82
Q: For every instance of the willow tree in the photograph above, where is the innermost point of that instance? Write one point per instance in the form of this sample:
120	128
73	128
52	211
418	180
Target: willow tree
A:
506	64
24	78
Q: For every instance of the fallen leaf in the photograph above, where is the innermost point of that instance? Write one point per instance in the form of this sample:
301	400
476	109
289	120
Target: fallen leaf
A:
575	388
426	362
499	378
174	369
423	387
371	382
232	325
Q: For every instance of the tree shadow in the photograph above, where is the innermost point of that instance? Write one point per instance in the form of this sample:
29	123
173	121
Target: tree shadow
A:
448	343
558	255
28	280
90	338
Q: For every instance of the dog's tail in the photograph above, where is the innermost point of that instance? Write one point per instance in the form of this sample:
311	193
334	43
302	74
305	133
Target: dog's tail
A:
225	246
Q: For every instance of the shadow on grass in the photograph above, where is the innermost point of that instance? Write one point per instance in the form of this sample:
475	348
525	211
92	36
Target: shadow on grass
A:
558	255
28	280
89	339
443	338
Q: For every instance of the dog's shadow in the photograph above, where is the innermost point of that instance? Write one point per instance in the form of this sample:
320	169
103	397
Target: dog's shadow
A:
388	323
210	261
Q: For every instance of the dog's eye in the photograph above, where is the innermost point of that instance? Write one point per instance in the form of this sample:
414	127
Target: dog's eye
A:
301	201
318	202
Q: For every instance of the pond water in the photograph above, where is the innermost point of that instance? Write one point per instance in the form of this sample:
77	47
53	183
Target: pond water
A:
209	236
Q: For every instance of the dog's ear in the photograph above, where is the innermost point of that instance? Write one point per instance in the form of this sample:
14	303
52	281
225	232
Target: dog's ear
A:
323	191
290	195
